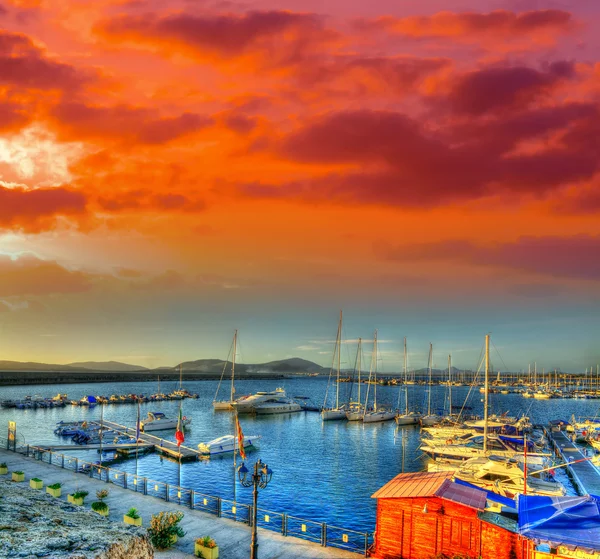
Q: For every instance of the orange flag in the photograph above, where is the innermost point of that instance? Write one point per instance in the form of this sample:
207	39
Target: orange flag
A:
240	438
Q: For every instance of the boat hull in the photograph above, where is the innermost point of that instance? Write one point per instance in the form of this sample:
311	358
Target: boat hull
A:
223	406
407	419
226	444
275	408
379	416
329	415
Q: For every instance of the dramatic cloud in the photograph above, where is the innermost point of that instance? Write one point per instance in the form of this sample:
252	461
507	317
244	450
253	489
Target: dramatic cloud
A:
504	87
78	120
34	209
550	256
280	36
463	26
24	65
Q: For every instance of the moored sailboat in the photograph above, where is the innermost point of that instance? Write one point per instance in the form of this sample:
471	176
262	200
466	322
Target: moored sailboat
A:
227	405
375	414
408	417
356	409
335	412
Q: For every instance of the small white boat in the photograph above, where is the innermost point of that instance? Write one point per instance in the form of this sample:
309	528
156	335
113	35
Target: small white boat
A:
332	414
283	405
227	443
157	421
430	420
377	416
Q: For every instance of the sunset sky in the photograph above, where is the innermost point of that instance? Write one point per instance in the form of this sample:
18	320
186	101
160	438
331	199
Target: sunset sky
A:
172	170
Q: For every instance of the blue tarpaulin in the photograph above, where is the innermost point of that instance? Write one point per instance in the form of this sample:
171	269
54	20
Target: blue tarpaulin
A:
91	399
561	520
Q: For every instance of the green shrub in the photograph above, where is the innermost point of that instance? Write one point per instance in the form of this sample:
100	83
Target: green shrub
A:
163	526
133	513
55	486
35	479
99	506
3	465
206	541
18	472
80	494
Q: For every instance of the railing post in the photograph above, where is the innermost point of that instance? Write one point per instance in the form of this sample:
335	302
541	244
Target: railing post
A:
63	462
76	465
50	458
192	498
27	450
324	534
218	506
107	474
283	524
366	542
167	492
145	486
124	480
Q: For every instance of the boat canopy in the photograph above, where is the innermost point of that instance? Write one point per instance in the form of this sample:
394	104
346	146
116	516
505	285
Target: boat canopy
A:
156	414
491	496
561	520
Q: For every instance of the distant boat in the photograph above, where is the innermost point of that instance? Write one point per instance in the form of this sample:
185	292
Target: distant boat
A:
356	410
157	421
376	414
227	443
408	417
226	405
430	419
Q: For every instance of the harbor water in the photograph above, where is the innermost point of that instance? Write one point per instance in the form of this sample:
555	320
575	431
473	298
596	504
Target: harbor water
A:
322	471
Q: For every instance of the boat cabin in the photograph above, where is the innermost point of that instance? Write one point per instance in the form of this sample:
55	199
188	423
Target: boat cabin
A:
425	514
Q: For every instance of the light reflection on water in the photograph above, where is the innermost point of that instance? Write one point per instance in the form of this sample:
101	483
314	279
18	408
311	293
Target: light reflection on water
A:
323	471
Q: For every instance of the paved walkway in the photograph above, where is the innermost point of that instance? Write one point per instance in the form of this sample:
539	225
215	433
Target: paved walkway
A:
232	537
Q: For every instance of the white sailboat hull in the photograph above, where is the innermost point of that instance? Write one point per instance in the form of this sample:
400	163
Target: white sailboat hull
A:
328	415
430	420
162	424
378	416
271	408
408	419
354	415
223	405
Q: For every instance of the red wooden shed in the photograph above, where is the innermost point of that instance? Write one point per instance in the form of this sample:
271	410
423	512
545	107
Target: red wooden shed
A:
423	515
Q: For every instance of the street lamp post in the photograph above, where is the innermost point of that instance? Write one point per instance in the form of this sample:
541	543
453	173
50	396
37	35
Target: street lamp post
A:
259	479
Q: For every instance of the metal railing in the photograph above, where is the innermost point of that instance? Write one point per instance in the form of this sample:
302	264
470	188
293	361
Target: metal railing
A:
318	532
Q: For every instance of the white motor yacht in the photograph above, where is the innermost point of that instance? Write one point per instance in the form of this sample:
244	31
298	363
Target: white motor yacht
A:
226	444
247	404
281	405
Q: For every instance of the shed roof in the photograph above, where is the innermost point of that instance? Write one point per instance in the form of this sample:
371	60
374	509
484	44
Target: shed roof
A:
416	484
468	496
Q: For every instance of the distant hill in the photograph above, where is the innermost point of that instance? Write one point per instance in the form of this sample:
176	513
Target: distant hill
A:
31	366
106	366
293	365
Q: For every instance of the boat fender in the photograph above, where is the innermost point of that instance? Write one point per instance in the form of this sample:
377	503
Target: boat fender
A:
184	417
449	441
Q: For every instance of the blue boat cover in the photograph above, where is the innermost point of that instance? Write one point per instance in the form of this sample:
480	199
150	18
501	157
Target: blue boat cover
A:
561	520
491	496
91	399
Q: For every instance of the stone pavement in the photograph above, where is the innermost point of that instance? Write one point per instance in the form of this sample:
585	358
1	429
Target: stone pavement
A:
232	537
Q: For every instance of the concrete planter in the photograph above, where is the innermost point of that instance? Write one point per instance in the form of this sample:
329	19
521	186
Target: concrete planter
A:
3	471
101	512
74	501
132	521
53	492
36	484
207	552
18	477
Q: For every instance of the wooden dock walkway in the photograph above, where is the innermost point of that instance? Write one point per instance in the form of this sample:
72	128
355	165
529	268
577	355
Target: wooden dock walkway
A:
584	474
168	448
104	446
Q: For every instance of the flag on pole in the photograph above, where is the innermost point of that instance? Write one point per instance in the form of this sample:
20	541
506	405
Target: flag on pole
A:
137	425
240	437
179	436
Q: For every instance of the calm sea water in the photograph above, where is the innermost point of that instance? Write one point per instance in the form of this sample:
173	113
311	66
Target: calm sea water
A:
323	471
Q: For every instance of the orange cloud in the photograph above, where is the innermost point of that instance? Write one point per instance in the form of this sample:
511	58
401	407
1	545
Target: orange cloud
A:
466	25
35	210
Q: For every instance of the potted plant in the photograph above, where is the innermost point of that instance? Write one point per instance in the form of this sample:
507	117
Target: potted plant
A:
164	529
100	506
206	547
36	483
3	469
54	489
77	497
132	517
18	476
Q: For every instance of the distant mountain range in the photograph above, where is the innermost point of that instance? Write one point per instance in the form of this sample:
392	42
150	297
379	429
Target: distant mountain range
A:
212	366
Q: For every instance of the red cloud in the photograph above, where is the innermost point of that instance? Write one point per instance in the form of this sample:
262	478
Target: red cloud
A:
500	23
393	159
505	87
280	35
550	256
144	200
24	65
123	121
33	210
12	116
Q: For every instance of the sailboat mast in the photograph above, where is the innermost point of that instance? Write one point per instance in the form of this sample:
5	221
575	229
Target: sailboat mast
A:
429	391
485	400
405	376
180	374
233	365
375	372
450	383
359	366
339	364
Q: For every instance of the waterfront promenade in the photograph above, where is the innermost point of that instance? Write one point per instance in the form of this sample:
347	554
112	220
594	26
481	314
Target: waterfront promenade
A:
232	537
